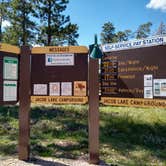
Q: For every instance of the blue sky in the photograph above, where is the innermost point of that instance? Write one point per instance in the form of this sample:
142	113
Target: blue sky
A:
90	15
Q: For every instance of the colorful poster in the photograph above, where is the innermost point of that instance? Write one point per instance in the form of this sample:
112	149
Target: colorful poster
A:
10	68
40	89
54	89
59	59
148	92
66	89
79	88
148	80
160	87
10	91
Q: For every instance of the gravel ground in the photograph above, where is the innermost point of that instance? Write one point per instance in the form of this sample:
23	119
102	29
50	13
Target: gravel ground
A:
8	161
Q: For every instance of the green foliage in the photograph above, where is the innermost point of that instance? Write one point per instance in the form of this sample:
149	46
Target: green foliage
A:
70	34
161	29
108	34
55	28
10	35
143	30
4	4
122	35
37	22
22	30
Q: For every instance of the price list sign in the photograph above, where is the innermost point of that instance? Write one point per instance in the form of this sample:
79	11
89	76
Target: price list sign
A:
109	76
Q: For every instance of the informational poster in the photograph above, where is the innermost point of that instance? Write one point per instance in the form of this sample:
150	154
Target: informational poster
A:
10	91
79	88
148	80
54	88
148	92
59	59
160	87
40	89
10	68
66	89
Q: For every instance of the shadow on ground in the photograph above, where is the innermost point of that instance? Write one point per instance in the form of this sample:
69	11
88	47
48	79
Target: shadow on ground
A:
62	132
42	162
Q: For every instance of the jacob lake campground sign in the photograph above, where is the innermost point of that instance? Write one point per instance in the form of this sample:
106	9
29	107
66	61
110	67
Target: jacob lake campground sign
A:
134	75
59	75
9	64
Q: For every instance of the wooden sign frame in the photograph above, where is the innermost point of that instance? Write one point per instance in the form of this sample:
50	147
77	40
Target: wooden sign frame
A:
133	84
73	73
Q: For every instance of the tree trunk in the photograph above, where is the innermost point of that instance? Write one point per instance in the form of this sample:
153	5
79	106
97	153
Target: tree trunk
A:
49	23
23	25
1	13
0	30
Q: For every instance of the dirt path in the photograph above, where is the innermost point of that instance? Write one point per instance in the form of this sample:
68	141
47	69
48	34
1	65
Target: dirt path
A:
8	161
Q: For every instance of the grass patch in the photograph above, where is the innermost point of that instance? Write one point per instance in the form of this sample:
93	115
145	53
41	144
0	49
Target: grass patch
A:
128	136
133	136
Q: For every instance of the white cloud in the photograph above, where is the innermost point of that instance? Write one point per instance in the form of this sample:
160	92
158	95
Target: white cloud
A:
5	24
157	4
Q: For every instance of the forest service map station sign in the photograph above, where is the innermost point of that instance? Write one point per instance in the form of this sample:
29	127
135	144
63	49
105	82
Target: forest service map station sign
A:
153	41
133	73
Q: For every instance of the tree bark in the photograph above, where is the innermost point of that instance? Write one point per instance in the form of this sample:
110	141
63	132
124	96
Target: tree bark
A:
49	23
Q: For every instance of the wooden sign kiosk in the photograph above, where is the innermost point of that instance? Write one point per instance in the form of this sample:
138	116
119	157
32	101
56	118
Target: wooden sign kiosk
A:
55	75
49	75
59	75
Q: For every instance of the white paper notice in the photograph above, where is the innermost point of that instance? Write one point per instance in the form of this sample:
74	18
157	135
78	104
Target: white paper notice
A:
160	87
148	80
148	92
10	68
59	59
66	89
40	89
10	91
54	89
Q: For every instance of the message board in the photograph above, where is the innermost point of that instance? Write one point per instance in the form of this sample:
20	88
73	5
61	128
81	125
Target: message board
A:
134	77
59	75
9	66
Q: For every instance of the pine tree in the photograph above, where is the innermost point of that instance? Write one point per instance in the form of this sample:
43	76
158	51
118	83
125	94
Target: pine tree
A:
108	33
56	27
3	14
22	29
161	29
143	30
123	35
11	36
70	34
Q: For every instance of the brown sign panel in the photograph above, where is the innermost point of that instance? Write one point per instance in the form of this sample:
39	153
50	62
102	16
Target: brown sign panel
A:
59	73
9	77
135	73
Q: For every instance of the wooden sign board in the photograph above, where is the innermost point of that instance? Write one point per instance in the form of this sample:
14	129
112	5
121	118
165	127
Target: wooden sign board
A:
134	77
9	67
59	75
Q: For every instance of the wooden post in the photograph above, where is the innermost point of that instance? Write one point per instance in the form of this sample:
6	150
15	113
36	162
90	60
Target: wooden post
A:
93	111
24	109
